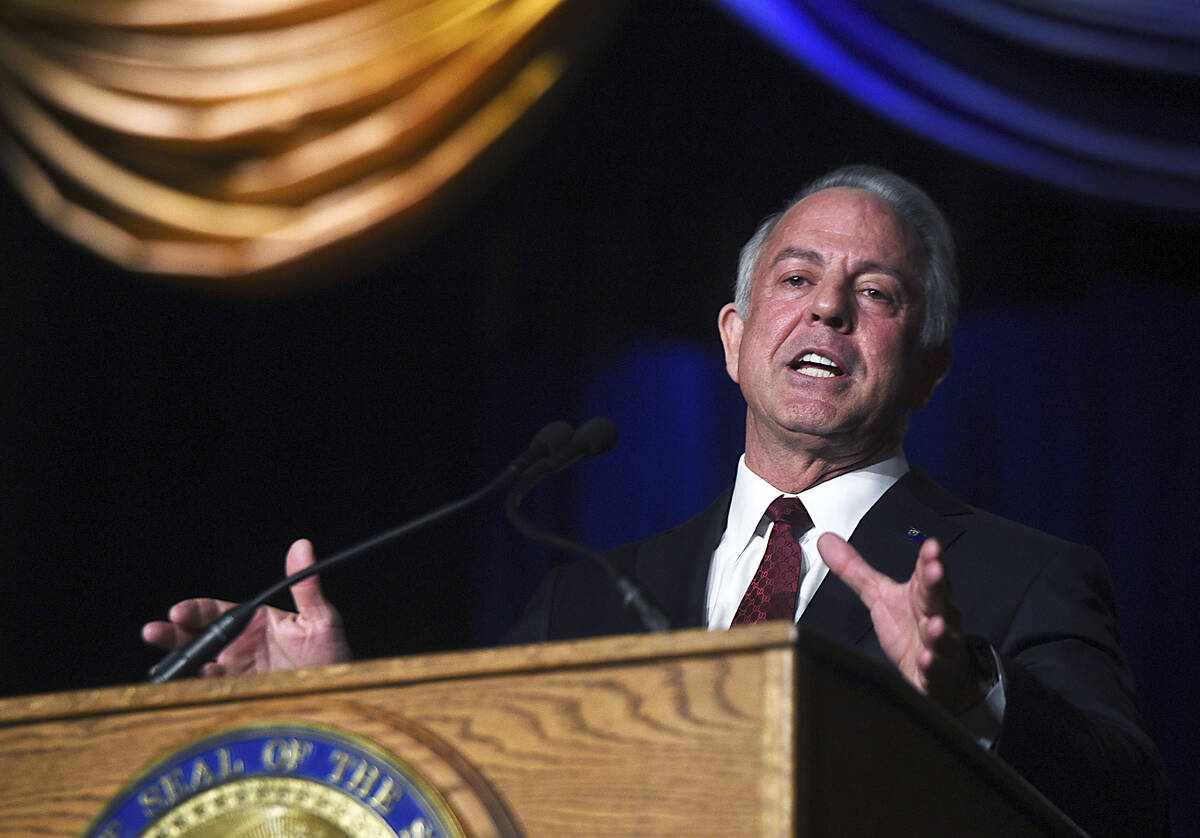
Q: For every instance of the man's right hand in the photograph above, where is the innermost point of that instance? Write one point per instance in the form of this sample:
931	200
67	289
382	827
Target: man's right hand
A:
274	639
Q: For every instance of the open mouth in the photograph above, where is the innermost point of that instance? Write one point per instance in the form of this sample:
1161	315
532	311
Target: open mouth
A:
816	366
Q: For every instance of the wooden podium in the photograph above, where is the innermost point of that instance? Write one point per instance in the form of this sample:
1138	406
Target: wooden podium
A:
759	731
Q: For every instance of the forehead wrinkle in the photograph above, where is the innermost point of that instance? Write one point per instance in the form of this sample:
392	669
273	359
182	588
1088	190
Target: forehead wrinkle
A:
798	253
865	266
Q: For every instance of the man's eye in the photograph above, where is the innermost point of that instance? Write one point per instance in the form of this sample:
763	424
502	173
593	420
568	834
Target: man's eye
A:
795	280
876	294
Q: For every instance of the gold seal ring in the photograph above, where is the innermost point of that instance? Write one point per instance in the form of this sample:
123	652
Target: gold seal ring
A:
275	807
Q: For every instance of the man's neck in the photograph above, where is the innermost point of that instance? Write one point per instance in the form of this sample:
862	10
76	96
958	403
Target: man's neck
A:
795	467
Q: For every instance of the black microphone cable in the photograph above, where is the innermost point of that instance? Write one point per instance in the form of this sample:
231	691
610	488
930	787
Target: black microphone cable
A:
596	436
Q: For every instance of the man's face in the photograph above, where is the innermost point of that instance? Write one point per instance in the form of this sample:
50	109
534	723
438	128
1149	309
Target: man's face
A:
827	351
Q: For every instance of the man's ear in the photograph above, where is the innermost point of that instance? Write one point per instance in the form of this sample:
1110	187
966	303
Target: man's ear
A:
729	324
934	366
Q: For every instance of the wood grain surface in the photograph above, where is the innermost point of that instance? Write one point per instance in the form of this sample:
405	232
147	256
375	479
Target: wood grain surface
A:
646	736
759	731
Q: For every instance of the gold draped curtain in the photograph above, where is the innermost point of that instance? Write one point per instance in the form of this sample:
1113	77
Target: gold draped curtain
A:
225	139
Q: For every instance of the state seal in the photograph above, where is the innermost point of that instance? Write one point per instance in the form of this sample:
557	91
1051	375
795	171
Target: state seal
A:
269	781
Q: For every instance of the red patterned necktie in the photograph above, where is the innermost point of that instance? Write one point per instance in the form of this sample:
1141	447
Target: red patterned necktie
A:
773	591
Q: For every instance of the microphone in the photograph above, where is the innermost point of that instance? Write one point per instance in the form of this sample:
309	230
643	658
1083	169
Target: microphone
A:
596	436
550	440
547	444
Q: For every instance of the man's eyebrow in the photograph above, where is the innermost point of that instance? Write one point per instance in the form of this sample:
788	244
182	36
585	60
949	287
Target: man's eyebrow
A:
869	267
864	267
798	253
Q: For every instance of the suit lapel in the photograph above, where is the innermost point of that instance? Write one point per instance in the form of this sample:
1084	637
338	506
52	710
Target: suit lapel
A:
674	566
888	537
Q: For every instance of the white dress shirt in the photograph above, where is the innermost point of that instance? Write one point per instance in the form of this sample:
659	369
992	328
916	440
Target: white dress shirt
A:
835	506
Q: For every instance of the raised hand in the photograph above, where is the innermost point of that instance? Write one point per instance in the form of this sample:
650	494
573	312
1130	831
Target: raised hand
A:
916	621
275	639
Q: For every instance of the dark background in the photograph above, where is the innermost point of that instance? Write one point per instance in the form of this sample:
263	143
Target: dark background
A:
162	441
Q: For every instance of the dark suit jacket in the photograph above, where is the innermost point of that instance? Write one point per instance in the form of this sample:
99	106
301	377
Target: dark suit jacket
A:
1071	726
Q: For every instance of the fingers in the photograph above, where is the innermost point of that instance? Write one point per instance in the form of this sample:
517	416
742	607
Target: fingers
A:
941	648
937	618
195	614
931	591
850	566
184	621
941	660
163	635
307	592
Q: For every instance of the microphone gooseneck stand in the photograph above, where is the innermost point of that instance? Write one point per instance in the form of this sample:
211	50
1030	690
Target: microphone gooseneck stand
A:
221	632
594	437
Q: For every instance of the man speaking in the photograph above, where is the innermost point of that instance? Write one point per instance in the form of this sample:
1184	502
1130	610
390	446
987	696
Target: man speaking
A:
840	327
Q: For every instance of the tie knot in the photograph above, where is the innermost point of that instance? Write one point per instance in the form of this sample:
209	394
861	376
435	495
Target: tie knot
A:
790	511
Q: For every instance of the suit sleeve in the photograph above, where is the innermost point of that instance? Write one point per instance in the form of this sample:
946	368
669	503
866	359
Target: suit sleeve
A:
534	624
574	601
1071	725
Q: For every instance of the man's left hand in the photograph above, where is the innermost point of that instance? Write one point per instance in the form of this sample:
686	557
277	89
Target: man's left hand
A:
916	621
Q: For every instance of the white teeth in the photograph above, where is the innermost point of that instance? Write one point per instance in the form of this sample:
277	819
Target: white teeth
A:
824	367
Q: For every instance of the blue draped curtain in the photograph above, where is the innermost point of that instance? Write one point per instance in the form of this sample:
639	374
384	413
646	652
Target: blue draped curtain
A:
1095	96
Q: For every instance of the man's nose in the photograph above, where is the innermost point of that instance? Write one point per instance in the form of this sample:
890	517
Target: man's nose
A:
830	306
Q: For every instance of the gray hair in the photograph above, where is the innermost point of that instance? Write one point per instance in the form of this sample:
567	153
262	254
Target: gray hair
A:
937	271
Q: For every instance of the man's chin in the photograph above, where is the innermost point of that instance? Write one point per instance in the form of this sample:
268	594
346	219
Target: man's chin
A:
829	432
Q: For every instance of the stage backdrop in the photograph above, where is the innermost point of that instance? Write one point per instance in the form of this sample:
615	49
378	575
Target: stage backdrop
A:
161	440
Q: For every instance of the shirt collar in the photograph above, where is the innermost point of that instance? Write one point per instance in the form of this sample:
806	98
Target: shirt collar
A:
836	505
